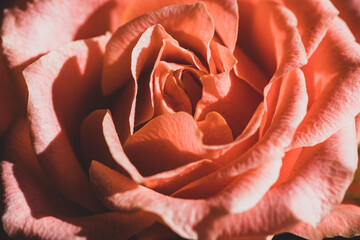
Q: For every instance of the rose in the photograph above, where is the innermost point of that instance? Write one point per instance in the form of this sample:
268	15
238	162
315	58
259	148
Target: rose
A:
223	188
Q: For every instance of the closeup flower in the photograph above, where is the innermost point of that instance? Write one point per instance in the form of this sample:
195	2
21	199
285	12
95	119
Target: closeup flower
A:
159	119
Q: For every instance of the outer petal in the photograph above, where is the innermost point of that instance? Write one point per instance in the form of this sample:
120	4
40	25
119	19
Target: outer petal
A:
312	27
334	86
189	218
60	86
49	24
343	221
33	208
350	12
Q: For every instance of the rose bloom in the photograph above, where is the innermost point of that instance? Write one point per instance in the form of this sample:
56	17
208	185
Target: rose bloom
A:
159	119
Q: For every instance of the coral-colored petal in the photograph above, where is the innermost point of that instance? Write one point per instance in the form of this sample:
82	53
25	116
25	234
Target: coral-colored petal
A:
222	56
143	58
334	87
350	12
166	142
343	221
100	142
318	185
312	27
247	70
170	181
215	129
33	209
224	13
118	52
56	110
290	111
281	50
187	217
230	96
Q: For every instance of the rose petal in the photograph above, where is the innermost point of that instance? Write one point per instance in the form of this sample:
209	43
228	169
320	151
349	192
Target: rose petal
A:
332	76
231	97
100	142
343	221
247	70
312	27
224	14
289	112
118	50
170	181
350	12
50	24
317	184
189	218
163	142
282	50
33	209
215	129
55	111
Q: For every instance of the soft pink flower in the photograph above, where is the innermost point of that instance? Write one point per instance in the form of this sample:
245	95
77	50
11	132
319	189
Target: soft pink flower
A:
159	119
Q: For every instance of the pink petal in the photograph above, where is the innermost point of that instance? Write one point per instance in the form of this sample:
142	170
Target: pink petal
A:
182	215
170	181
120	46
33	209
50	24
332	76
100	142
224	13
312	27
56	110
343	221
350	13
317	184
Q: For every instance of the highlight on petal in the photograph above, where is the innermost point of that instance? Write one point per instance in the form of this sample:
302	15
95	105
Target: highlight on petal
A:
333	86
343	221
50	24
118	51
55	111
312	27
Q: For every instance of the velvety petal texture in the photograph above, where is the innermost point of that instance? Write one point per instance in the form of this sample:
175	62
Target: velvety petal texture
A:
53	112
159	119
